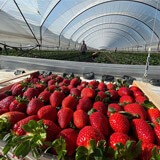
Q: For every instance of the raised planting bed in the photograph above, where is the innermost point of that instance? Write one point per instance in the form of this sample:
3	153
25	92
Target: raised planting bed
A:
64	116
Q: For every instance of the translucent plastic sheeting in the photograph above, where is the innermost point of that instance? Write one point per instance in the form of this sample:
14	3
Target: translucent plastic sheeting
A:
103	24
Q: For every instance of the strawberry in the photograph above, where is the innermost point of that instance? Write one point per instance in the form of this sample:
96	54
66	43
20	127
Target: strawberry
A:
100	122
56	98
80	118
34	75
85	104
113	94
119	123
101	95
31	93
47	112
19	104
65	116
51	82
100	106
8	119
118	137
102	86
70	137
52	130
93	84
88	92
33	106
143	131
134	88
17	89
153	114
39	86
126	99
4	103
59	78
65	90
18	127
113	107
75	81
140	99
157	133
86	134
75	91
137	93
66	82
3	95
51	88
44	96
124	91
110	86
3	111
146	153
69	102
136	109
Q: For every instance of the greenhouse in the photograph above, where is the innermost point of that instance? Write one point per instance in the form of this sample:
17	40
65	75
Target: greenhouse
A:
79	79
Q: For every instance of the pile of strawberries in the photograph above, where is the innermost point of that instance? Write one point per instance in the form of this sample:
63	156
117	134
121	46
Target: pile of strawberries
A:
75	119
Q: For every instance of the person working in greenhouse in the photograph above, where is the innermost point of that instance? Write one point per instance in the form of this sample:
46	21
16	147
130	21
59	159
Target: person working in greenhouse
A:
83	48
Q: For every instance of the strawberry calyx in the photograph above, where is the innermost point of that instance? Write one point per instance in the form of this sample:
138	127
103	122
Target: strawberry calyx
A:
95	151
148	105
23	100
129	115
32	142
129	151
59	145
4	124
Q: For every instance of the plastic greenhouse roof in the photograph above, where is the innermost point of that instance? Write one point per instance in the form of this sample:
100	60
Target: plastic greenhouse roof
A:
103	24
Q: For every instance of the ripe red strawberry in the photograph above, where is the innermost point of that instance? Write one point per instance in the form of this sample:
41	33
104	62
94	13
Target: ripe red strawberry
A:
44	96
56	98
153	114
113	107
101	95
119	123
126	99
146	153
39	86
80	118
5	102
65	90
100	122
88	92
85	104
34	75
8	119
140	99
134	88
33	106
17	89
124	91
143	131
17	128
59	79
66	81
31	93
75	81
135	108
51	82
93	84
52	130
100	106
117	137
3	95
137	93
110	86
65	116
113	94
19	104
75	92
69	102
70	136
51	88
3	111
86	134
102	86
47	112
157	133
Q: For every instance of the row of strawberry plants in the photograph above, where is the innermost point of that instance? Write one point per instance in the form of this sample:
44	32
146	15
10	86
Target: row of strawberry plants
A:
81	120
